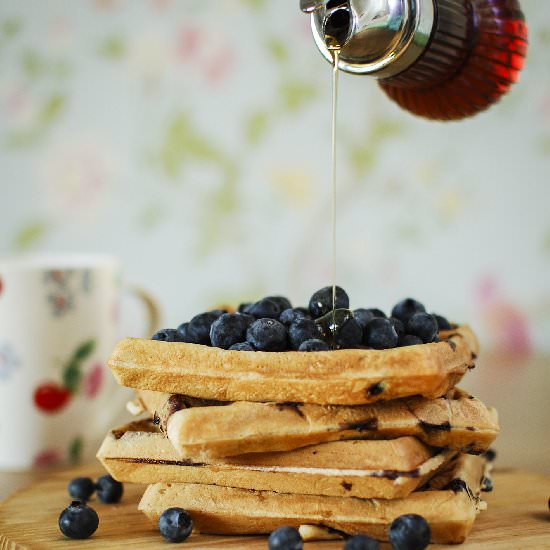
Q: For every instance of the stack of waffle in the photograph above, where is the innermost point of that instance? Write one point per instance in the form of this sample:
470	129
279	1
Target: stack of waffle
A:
333	443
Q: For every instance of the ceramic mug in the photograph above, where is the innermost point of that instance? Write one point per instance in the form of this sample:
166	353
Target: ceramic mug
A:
58	325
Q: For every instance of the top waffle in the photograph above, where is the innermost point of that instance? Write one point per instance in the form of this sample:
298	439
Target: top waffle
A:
339	377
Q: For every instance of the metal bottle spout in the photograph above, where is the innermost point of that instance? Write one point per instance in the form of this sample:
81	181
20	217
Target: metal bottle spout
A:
377	37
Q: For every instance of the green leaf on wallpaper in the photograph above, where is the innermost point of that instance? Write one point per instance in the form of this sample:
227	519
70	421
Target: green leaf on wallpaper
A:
545	145
33	63
254	4
383	128
51	109
151	216
277	49
544	36
113	47
295	94
256	125
183	144
362	159
9	28
30	235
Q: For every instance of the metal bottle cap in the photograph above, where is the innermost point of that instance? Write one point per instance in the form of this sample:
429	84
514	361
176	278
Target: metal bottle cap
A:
377	37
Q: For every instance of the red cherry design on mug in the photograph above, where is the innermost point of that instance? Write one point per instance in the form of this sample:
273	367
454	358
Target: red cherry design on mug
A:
50	397
1	286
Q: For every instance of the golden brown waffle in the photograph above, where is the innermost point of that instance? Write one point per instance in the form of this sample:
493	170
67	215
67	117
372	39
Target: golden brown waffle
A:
339	377
139	453
224	510
458	420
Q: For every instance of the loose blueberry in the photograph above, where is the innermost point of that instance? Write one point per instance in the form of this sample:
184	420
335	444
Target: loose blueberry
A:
410	340
289	316
321	301
242	346
363	316
302	330
281	301
167	335
285	538
380	334
490	455
267	335
442	323
409	532
405	309
228	329
424	326
78	521
109	490
81	488
199	327
361	542
265	308
487	484
175	524
314	345
398	326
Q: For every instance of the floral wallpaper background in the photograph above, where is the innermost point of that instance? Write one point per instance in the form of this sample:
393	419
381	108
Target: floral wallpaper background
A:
192	140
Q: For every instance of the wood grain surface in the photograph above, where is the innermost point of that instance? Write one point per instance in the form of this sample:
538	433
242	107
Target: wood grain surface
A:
517	518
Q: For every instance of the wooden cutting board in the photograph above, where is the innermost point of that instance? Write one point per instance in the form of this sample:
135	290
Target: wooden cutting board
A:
517	518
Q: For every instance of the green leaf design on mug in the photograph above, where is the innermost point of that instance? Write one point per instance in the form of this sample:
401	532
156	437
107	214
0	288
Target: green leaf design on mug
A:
72	372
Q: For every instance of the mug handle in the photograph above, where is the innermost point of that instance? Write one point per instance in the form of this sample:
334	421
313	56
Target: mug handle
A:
152	309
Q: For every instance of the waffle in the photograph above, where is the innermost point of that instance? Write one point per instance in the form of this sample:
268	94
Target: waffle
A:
139	453
202	430
339	377
450	506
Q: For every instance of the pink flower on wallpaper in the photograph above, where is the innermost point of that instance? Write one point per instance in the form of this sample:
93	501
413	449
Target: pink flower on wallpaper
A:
77	178
506	323
209	52
93	381
17	105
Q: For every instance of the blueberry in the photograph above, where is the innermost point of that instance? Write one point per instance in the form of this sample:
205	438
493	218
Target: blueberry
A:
281	301
78	521
81	488
183	334
363	316
442	323
424	326
490	455
405	309
242	346
340	329
380	334
175	524
289	316
243	307
265	308
361	542
301	330
249	319
218	312
398	326
321	301
285	538
487	484
410	340
228	329
409	532
314	345
199	327
167	335
267	335
376	312
109	490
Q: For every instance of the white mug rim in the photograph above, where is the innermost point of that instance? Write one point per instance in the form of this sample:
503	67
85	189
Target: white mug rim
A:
52	261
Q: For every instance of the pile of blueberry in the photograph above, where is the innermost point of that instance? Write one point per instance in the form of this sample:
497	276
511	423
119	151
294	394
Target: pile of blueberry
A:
80	521
407	532
272	324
